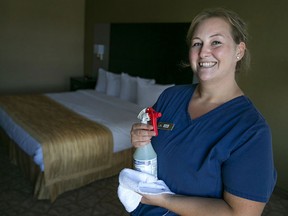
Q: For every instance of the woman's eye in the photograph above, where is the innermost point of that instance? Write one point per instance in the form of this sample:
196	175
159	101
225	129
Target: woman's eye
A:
216	43
196	44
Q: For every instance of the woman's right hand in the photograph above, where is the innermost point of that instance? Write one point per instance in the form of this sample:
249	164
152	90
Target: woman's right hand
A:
141	134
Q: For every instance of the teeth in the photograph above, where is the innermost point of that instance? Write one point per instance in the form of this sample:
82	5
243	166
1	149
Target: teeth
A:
207	64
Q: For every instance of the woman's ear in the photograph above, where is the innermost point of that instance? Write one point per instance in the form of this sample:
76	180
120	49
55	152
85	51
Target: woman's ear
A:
241	47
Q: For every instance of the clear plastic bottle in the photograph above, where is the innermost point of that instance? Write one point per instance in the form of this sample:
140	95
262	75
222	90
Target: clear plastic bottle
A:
145	157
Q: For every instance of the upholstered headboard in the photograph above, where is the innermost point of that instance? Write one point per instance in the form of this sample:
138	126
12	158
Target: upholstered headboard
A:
150	50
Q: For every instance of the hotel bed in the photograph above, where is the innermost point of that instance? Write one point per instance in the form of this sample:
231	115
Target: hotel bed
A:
74	138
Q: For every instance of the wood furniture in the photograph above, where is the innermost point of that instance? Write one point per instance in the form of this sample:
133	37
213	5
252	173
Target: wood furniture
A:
82	83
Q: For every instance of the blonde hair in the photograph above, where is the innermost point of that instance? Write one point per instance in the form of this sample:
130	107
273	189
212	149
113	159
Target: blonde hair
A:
238	31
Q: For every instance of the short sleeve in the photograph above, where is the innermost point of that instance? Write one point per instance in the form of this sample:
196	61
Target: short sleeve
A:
249	171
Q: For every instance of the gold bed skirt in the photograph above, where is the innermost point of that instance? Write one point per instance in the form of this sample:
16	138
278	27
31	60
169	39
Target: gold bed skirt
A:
120	160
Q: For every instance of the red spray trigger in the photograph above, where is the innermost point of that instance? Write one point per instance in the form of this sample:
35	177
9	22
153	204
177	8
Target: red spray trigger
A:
153	115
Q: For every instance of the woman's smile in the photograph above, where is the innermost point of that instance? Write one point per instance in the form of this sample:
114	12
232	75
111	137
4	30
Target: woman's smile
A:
207	64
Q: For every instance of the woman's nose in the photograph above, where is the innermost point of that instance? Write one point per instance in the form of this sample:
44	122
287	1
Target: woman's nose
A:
205	51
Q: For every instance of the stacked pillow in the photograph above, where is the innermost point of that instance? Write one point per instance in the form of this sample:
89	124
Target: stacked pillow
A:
143	92
101	81
147	93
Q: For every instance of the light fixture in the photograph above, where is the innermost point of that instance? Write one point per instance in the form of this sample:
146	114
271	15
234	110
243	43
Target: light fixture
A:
99	50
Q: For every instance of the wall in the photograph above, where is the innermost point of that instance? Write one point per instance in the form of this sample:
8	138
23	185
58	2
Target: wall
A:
41	44
265	84
103	38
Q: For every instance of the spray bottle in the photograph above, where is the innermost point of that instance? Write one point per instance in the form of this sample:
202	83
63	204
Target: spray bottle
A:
145	158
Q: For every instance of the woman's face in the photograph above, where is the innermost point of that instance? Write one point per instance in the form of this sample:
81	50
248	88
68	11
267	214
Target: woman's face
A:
213	53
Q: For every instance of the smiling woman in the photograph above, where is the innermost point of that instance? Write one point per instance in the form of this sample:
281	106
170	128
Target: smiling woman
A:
237	30
213	52
211	159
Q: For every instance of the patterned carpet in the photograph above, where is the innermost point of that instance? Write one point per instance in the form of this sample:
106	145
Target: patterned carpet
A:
96	199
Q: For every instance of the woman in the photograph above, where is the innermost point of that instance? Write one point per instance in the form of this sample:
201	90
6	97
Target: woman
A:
218	157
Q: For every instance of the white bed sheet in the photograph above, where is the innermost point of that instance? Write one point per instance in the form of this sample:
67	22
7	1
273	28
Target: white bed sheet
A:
116	114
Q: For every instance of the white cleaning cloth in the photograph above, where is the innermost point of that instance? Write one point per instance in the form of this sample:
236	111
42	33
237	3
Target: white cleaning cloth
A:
132	182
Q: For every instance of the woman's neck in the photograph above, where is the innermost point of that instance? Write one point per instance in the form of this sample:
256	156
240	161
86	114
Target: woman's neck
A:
217	93
208	97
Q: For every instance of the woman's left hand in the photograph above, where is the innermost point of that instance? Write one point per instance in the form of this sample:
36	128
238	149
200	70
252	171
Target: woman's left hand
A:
158	200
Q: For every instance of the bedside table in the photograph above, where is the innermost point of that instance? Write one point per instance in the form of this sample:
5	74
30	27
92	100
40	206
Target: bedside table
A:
82	83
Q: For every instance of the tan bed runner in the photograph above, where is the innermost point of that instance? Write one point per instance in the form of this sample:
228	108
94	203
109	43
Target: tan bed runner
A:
72	145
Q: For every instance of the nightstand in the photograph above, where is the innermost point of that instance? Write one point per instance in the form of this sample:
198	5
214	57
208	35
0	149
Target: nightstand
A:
82	83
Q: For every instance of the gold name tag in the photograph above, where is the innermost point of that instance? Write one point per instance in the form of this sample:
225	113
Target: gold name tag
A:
165	126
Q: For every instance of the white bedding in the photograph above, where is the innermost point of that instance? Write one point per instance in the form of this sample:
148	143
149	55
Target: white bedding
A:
116	114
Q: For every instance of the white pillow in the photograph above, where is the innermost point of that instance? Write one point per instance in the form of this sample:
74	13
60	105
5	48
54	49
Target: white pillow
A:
128	88
101	81
113	84
147	94
145	81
